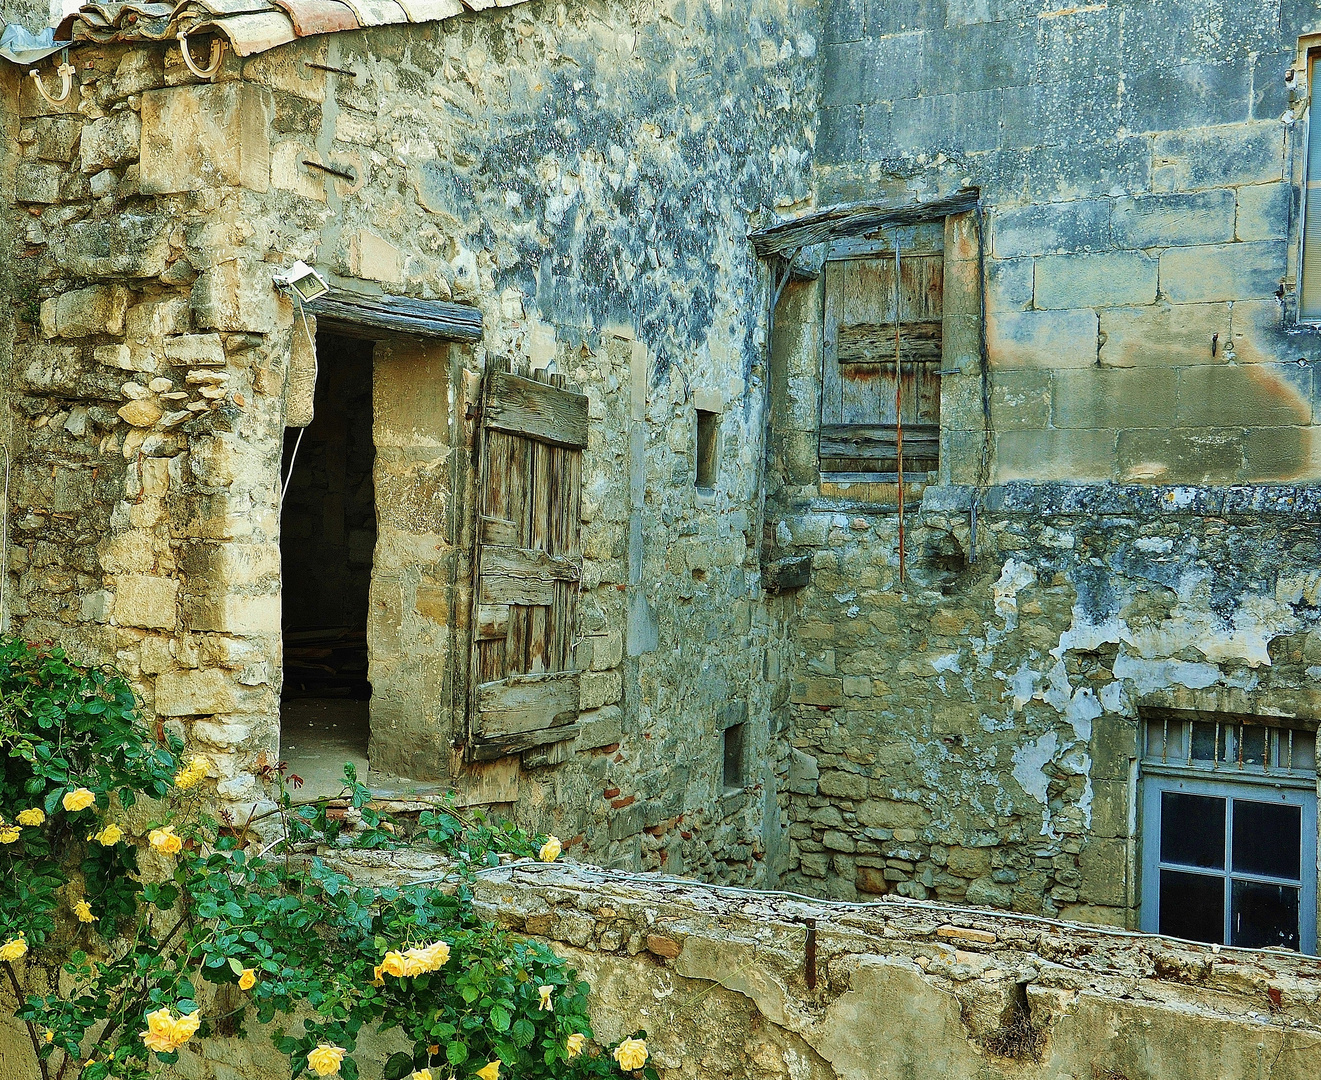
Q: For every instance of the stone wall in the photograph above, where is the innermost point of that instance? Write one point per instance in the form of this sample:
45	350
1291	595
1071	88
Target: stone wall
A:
971	733
584	178
1140	166
743	985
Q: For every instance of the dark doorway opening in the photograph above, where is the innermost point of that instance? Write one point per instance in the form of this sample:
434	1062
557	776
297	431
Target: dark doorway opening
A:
327	537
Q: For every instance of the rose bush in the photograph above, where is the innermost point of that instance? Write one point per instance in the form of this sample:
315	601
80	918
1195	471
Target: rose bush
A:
238	921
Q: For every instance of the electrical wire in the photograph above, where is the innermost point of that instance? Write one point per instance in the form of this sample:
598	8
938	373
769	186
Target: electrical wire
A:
311	341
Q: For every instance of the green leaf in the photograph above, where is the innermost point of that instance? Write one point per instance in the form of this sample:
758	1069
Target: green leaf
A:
235	966
456	1053
499	1018
397	1066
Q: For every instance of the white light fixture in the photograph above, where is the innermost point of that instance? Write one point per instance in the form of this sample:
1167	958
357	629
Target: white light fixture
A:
303	280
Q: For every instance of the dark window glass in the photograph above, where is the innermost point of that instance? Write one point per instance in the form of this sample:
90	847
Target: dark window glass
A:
1252	745
1267	839
1192	830
1262	915
1192	906
1208	744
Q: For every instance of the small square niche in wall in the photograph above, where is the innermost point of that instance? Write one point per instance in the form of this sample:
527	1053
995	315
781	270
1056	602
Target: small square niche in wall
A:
733	745
708	430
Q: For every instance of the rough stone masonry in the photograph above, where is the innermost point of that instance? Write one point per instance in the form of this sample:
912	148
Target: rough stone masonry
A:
1120	527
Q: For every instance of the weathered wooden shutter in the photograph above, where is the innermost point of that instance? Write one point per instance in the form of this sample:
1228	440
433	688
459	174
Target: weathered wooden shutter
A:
528	564
858	392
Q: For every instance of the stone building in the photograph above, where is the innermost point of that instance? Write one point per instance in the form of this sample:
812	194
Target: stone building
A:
862	448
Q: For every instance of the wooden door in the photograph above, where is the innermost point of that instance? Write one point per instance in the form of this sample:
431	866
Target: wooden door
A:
858	417
528	564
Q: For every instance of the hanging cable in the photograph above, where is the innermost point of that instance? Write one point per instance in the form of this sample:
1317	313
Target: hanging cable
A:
311	343
898	406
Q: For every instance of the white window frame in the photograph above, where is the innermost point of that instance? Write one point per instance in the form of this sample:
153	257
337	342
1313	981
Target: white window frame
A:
1246	787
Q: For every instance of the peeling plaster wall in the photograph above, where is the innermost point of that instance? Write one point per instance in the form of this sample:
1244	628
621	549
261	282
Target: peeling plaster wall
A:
972	734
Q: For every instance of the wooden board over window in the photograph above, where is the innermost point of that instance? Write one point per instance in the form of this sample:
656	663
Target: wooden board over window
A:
528	564
858	419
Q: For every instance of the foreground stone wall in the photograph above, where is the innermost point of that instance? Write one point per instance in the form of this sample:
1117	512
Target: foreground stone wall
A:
1140	166
585	178
741	985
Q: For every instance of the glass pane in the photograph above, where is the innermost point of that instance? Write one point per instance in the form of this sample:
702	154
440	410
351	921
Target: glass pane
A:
1252	745
1304	751
1165	741
1267	838
1208	742
1263	915
1192	830
1192	906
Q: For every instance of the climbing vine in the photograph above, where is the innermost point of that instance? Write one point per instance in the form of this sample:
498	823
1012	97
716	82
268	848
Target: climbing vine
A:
151	923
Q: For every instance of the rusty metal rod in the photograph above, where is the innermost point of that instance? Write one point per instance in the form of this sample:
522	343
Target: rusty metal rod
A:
898	406
341	173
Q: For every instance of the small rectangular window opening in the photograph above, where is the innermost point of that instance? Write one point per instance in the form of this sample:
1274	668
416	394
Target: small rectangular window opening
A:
733	746
708	427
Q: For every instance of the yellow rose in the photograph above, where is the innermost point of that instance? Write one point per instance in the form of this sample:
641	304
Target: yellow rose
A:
193	773
574	1044
9	833
436	954
421	1074
490	1071
13	949
376	975
631	1054
546	1005
50	1035
159	1033
35	816
78	799
111	835
395	964
84	911
325	1059
248	979
185	1027
550	850
165	840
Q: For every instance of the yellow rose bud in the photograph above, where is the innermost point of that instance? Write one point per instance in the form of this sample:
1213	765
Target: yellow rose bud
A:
35	816
111	835
546	1005
490	1071
84	911
9	833
325	1059
78	799
631	1054
248	979
50	1035
550	850
574	1044
165	840
13	948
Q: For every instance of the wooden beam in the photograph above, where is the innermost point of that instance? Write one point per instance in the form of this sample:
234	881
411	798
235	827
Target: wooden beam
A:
536	410
359	315
523	576
873	343
490	750
522	703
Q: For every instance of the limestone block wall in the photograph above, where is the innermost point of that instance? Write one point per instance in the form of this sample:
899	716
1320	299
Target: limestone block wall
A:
586	179
971	734
1140	167
744	985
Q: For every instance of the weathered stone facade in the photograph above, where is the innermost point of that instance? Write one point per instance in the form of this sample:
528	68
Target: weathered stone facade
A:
1120	365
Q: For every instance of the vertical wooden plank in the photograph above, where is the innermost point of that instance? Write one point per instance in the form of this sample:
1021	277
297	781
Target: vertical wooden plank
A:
518	482
831	412
541	475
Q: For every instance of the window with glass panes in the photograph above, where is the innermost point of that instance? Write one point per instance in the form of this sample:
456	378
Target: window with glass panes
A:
1229	832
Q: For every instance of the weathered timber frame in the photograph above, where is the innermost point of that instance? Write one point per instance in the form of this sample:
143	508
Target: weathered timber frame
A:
527	563
359	315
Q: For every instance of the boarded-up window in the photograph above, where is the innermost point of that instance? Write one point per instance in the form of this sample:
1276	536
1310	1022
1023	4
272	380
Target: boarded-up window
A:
859	423
528	565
